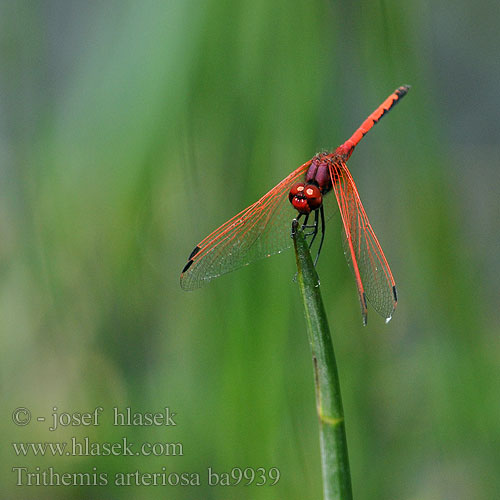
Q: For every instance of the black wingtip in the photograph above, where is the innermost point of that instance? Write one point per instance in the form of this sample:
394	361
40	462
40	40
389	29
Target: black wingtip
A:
395	293
190	259
187	266
364	310
194	252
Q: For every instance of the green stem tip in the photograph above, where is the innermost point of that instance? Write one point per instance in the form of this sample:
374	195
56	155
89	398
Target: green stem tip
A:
334	457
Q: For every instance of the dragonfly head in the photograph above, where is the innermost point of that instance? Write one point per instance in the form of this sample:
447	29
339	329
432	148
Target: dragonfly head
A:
305	198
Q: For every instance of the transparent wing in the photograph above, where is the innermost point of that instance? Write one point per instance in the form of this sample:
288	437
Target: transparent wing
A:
361	247
261	230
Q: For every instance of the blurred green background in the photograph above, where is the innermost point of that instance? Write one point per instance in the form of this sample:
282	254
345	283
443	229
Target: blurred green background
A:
130	130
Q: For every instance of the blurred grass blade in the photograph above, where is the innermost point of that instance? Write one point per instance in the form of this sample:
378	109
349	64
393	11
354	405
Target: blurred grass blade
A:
334	458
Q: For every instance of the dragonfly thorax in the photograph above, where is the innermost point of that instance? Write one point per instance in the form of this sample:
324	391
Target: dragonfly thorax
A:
318	172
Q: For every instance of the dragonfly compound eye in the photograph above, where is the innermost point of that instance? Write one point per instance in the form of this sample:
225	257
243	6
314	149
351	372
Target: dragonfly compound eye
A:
305	197
300	204
296	189
313	196
298	199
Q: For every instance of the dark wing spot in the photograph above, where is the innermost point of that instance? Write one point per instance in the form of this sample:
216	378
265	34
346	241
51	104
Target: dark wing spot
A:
395	293
194	252
364	313
187	266
364	301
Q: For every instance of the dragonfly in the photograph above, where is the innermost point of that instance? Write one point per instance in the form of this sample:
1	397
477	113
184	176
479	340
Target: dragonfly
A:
263	229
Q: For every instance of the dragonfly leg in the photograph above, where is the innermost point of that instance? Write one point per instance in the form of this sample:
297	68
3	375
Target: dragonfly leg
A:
314	228
304	225
323	227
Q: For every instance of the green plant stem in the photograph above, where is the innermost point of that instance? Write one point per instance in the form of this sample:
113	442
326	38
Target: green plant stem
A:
334	458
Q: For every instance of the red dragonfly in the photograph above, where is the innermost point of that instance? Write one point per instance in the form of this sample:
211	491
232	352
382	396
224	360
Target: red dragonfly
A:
263	229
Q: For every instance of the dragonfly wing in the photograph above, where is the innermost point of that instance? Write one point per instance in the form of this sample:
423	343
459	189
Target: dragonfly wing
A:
261	230
361	247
